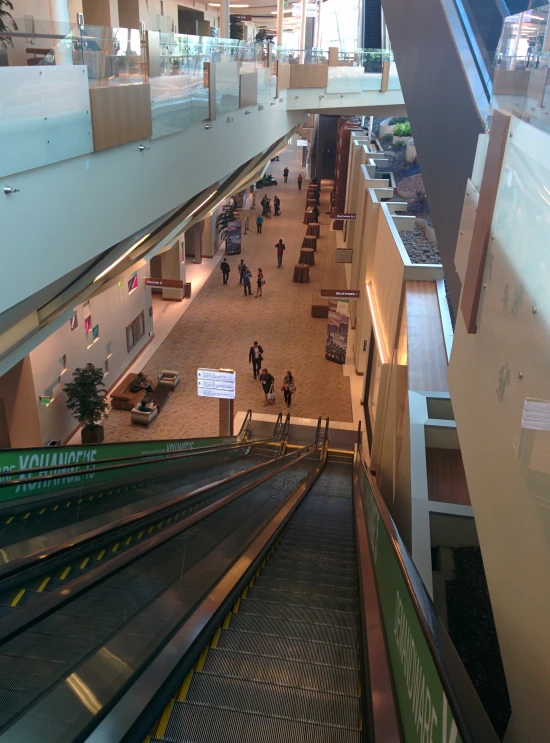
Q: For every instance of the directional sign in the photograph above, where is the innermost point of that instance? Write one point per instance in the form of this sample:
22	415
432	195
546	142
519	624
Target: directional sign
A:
341	293
216	383
344	216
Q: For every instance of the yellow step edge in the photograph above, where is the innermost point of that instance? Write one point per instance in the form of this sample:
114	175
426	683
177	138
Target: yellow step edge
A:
56	507
127	540
100	555
26	516
244	594
226	621
251	582
68	503
340	451
150	529
164	720
80	500
9	520
84	562
115	547
185	687
100	495
41	511
140	535
202	659
236	606
215	639
43	583
17	598
65	572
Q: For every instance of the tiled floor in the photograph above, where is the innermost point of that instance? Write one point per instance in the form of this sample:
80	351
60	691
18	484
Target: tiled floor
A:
219	325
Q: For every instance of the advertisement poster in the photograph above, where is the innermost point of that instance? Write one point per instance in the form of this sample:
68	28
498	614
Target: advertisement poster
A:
337	337
233	241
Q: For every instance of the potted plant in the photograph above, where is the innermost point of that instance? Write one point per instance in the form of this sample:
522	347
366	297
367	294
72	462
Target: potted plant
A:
86	401
6	20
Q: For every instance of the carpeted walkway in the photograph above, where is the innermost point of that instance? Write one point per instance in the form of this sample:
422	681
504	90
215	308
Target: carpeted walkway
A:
219	327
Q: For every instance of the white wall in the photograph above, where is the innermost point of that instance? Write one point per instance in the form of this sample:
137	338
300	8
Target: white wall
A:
113	310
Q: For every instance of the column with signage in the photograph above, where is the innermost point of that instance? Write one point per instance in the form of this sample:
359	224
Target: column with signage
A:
221	384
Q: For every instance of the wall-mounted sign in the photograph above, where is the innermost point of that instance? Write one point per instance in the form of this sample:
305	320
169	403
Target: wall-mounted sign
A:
87	324
345	216
344	255
164	283
302	142
95	332
216	383
44	399
341	293
241	17
73	322
133	282
311	10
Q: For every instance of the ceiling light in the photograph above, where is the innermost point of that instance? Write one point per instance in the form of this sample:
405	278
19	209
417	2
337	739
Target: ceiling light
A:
122	257
217	5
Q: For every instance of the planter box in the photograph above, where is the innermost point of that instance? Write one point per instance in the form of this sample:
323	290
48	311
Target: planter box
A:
410	155
386	128
401	139
92	436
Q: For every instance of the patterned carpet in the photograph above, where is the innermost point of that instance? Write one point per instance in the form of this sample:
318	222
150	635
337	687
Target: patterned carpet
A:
220	325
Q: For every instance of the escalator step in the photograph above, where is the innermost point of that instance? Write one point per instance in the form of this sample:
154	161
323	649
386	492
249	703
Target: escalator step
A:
305	587
334	603
195	724
287	573
272	700
312	616
298	630
288	648
222	662
307	561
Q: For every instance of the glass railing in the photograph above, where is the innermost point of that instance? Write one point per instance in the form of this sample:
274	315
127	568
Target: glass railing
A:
521	86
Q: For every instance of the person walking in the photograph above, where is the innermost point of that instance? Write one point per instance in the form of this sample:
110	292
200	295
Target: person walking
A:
267	382
264	202
268	209
255	357
300	179
246	282
281	247
288	388
259	223
260	281
277	206
285	174
224	265
241	269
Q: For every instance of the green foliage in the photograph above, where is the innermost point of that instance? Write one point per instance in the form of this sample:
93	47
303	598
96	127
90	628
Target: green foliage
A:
86	395
226	215
387	137
403	130
399	145
6	23
398	120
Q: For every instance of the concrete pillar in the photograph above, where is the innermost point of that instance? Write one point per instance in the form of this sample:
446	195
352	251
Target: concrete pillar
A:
19	424
280	22
224	19
172	268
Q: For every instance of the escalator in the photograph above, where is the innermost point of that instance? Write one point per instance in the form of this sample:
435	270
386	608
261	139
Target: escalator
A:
445	58
268	614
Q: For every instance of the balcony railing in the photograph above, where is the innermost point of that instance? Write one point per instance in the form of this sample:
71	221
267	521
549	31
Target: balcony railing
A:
88	88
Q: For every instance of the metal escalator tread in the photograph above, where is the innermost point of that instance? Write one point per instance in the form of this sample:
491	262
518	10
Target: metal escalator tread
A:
285	667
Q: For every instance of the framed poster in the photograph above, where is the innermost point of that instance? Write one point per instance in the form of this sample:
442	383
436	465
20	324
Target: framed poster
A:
73	322
133	282
87	324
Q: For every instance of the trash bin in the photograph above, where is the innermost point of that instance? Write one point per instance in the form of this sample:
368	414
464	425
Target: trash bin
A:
187	290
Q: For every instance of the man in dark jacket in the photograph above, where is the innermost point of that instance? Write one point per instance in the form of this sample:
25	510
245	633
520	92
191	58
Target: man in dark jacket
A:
255	357
224	265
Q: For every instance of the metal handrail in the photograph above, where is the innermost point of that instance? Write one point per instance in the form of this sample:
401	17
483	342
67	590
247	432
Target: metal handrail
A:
277	429
317	431
468	711
284	436
359	438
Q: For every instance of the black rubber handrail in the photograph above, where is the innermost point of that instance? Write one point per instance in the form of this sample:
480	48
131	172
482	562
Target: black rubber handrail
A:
147	456
318	430
471	718
284	436
29	615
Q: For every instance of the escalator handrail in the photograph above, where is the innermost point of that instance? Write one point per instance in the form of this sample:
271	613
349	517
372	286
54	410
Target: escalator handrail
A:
317	430
30	614
477	56
156	675
325	435
142	457
277	428
125	463
359	438
471	718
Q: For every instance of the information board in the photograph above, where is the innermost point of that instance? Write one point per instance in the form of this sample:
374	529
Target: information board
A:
216	383
344	255
536	414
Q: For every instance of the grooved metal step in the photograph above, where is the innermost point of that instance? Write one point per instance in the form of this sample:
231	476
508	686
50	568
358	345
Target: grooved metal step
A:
335	603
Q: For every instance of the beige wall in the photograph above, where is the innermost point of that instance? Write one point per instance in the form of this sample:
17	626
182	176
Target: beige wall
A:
112	310
387	281
18	407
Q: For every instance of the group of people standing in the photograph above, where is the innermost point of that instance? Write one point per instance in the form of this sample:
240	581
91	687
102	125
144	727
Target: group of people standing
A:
267	380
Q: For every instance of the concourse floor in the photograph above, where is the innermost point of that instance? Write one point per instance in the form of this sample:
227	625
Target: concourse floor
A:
220	325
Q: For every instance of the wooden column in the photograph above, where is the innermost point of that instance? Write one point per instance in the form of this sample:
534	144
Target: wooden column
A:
210	83
471	291
385	77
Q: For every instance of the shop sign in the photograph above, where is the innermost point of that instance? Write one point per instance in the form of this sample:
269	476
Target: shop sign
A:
341	293
345	216
164	283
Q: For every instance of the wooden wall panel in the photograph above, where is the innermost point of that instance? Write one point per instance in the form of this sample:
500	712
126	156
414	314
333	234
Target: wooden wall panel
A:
283	77
120	114
446	477
308	76
385	77
426	352
248	89
471	290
